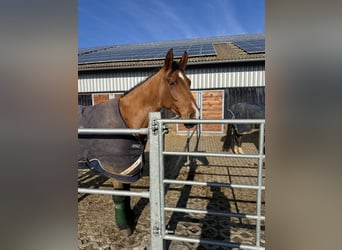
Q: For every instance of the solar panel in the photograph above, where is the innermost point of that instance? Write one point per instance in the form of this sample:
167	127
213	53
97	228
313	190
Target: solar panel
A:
90	50
157	50
143	52
251	46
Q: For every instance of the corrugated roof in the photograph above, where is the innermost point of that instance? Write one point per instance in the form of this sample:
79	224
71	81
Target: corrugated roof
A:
201	51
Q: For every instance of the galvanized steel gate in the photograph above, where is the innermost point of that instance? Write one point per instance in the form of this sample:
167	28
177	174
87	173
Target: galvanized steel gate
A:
156	194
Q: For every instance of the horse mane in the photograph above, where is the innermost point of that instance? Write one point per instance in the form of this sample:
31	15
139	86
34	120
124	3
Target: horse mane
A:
136	86
175	66
140	83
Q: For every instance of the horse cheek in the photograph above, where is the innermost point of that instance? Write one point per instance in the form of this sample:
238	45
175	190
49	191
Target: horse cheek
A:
167	101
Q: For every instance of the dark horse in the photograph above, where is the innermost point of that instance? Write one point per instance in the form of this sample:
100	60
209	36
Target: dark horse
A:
120	156
234	134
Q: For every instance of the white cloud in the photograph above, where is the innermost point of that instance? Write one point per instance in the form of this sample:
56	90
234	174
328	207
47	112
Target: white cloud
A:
135	21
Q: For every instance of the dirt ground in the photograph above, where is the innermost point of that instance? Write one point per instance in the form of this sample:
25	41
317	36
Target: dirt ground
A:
96	227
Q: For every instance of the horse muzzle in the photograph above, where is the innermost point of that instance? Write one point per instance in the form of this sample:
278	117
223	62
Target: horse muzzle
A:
194	115
189	125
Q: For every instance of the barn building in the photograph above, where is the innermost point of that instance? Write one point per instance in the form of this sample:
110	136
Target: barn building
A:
223	70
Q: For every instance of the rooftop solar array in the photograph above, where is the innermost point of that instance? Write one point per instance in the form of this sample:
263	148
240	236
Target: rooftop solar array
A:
143	52
158	50
251	46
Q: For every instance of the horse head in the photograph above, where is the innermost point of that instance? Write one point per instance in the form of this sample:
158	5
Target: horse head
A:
176	94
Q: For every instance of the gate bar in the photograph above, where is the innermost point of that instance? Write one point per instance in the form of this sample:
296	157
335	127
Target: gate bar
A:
212	184
111	131
213	242
113	192
206	121
213	154
211	212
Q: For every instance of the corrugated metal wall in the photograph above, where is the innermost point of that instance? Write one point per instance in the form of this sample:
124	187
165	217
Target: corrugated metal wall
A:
110	82
227	77
201	78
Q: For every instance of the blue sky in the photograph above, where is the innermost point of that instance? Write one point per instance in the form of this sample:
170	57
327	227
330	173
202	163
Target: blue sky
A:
117	22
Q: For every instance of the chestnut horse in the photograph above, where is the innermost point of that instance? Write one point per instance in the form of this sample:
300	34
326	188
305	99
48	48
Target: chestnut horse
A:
120	156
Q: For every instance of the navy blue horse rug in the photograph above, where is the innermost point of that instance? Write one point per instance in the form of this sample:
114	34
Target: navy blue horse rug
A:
115	156
233	138
245	110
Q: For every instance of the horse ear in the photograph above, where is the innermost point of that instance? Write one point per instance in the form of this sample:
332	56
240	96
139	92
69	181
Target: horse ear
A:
168	60
184	60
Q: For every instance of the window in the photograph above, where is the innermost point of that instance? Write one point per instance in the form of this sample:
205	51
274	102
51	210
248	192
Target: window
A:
85	100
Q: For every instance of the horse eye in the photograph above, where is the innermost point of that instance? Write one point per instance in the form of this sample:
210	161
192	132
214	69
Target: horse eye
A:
172	84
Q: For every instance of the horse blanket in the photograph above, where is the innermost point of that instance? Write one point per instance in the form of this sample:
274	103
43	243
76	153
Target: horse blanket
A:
245	111
116	156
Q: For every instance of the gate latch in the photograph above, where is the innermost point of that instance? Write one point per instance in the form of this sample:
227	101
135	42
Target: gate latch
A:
154	127
165	129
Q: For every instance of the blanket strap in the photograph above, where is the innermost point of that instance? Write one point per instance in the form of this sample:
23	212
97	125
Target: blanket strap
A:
133	166
124	176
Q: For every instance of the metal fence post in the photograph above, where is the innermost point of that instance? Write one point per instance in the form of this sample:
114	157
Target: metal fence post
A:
259	191
155	184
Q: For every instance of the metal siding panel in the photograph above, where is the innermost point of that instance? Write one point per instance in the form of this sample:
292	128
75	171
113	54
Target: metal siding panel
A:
234	79
201	78
100	83
97	81
81	85
215	77
249	77
242	78
206	79
87	84
226	77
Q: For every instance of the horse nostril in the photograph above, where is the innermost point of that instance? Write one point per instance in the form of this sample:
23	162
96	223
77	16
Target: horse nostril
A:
191	125
193	116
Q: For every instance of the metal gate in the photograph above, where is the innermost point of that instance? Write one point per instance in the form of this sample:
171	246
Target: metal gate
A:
156	193
158	183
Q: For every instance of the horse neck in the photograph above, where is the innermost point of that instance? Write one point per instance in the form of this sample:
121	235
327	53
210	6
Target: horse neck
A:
136	104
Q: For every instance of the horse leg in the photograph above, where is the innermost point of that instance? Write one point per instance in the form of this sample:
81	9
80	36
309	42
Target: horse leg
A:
123	213
235	142
227	144
238	139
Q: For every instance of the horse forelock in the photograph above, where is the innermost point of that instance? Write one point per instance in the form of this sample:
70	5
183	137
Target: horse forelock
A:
176	66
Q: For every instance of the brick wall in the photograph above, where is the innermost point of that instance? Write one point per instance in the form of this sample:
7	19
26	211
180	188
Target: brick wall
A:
99	98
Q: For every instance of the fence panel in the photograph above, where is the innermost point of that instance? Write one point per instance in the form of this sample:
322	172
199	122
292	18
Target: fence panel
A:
157	152
156	193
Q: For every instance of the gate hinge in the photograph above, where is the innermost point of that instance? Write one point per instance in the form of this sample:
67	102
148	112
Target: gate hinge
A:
156	230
